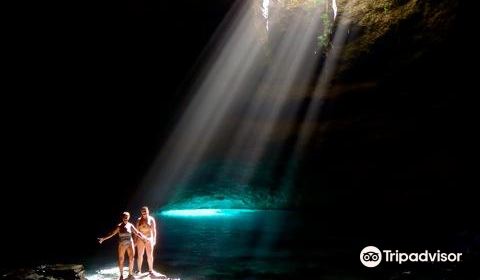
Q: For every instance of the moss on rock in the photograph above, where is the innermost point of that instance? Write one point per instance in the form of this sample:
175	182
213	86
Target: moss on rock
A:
406	28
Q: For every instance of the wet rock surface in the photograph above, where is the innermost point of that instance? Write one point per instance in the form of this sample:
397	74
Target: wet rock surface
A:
76	272
49	272
112	274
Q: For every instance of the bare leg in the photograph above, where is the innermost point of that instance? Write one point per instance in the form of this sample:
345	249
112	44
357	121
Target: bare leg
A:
131	254
121	258
149	249
141	251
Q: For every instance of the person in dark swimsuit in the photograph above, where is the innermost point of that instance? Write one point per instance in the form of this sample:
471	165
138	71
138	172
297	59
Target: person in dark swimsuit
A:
147	226
125	230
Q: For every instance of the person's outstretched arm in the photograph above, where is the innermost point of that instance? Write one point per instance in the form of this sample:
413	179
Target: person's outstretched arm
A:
101	239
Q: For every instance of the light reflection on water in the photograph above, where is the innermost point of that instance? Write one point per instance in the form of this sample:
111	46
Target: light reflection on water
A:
226	244
195	213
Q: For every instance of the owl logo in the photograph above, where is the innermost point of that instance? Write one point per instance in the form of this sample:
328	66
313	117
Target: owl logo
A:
370	256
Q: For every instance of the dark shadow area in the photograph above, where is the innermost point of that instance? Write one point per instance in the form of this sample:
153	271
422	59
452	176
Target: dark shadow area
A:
94	89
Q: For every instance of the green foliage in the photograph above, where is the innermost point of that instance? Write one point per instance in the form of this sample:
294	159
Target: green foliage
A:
323	40
387	6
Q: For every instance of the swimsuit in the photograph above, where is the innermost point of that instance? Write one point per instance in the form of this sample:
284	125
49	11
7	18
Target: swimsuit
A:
146	229
125	238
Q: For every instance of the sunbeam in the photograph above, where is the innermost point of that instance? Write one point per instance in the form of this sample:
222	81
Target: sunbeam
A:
253	83
252	109
239	139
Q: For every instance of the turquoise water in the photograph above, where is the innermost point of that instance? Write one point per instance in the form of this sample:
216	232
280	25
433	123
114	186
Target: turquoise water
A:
215	243
227	244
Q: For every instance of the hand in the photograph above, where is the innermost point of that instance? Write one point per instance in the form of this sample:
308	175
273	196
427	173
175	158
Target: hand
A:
100	240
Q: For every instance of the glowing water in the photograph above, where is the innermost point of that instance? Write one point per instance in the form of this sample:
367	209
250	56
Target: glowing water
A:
204	212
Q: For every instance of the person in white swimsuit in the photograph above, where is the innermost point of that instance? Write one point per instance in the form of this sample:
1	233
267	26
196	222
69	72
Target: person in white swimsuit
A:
147	226
125	243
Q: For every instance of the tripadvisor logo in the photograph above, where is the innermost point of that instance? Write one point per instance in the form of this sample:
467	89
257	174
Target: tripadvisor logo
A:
371	256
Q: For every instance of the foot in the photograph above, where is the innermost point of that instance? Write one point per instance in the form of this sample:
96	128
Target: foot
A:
153	273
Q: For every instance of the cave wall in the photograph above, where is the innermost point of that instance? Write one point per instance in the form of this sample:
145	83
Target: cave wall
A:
392	130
